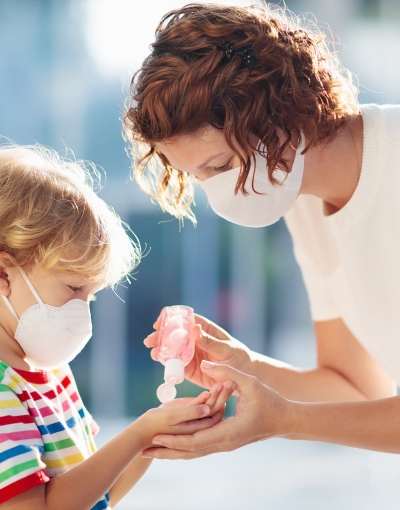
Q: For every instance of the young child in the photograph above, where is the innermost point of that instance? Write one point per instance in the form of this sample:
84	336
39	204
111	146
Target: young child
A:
59	245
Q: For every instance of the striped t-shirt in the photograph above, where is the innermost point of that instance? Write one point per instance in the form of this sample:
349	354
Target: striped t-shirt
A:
45	429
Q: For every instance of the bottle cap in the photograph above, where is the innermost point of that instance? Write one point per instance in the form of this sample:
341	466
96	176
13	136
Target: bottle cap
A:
174	372
166	392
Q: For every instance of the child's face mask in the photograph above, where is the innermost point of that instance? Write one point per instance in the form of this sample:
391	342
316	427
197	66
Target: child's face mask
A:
255	209
52	335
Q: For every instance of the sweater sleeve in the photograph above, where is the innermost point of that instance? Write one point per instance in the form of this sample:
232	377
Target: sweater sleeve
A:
21	448
313	250
322	306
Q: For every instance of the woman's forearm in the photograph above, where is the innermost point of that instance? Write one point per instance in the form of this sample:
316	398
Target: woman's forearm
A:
319	384
345	371
373	425
262	413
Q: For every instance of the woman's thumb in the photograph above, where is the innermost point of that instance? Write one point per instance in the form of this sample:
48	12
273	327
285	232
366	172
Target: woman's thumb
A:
221	373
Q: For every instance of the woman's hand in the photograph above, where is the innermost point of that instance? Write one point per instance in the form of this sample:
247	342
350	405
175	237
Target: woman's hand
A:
212	344
261	413
185	415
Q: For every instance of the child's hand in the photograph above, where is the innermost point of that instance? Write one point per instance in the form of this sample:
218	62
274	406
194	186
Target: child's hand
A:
216	398
185	416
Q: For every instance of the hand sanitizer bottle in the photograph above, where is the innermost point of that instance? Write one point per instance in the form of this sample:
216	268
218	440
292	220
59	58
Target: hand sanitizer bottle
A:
175	347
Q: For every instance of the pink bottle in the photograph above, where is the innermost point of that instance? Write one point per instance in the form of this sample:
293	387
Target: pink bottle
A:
175	347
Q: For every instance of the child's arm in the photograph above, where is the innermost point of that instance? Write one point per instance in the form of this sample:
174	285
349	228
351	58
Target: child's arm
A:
215	399
83	486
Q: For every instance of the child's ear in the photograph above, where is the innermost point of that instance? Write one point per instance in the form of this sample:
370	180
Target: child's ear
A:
4	282
5	262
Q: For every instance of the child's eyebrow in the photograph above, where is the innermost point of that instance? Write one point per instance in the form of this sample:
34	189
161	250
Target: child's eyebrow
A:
75	280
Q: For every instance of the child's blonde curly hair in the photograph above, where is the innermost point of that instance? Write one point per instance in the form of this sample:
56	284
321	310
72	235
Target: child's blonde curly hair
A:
51	216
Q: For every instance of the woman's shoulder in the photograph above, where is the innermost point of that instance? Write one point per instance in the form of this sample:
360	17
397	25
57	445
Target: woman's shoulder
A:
384	119
386	108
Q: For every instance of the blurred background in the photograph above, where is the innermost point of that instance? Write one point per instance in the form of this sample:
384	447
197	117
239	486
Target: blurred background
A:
65	68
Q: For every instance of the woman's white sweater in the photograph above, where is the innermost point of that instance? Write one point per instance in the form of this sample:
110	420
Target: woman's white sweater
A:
351	260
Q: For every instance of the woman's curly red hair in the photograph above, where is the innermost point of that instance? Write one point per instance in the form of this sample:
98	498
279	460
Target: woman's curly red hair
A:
185	83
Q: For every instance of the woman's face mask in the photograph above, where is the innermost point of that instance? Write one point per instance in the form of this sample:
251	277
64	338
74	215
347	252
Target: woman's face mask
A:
261	207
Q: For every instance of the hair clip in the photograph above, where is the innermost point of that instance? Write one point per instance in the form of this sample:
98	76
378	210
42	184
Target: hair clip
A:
228	50
248	57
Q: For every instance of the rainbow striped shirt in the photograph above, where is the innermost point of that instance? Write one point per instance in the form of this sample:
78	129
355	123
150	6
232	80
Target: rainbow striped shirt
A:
45	429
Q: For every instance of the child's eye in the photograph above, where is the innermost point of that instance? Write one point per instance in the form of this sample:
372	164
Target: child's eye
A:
75	289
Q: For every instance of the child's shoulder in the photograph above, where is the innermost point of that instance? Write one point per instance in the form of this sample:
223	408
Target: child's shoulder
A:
3	369
58	381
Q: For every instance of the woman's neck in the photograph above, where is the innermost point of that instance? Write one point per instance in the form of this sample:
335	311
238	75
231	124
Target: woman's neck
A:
332	171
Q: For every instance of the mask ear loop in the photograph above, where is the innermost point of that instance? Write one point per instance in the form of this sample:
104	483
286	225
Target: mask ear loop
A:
33	290
10	307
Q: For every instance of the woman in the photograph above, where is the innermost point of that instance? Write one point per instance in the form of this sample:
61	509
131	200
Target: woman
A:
263	115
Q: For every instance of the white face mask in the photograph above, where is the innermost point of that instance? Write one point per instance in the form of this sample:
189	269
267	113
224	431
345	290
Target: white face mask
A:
254	210
52	336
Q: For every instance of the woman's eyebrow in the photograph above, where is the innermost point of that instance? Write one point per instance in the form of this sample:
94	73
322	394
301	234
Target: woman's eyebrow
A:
209	159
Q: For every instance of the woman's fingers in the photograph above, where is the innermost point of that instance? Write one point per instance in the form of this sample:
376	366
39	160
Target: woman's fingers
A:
210	344
154	354
167	453
151	340
157	324
220	372
206	438
207	327
211	328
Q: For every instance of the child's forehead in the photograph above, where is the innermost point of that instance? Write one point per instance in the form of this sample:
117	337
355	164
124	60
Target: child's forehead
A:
79	279
68	277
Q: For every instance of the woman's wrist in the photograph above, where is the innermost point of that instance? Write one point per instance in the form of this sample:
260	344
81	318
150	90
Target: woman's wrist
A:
295	424
267	370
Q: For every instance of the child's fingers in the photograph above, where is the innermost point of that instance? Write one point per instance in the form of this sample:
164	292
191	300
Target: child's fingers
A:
154	354
228	388
201	399
188	401
180	402
213	394
190	427
187	413
151	340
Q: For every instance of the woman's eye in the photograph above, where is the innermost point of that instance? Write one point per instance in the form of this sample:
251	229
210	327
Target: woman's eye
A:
223	168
